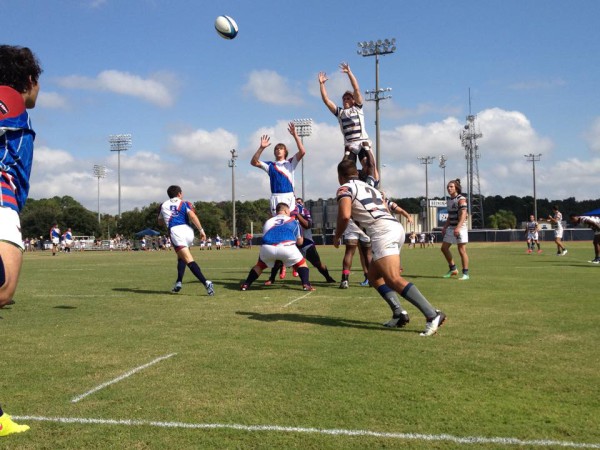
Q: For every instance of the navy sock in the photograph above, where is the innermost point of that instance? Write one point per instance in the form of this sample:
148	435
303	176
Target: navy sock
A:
195	268
303	274
252	276
180	270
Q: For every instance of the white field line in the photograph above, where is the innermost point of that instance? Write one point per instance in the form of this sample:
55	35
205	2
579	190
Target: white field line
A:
122	377
334	432
298	299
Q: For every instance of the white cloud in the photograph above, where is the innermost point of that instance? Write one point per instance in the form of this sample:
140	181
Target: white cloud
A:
153	90
270	87
592	136
51	100
203	145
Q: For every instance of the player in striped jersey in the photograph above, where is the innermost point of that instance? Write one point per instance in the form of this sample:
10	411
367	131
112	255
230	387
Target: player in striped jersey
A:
177	215
365	205
350	117
19	74
592	222
532	228
455	230
556	219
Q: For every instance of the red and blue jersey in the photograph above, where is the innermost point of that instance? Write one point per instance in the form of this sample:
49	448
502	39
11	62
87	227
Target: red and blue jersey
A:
175	212
281	230
281	174
16	149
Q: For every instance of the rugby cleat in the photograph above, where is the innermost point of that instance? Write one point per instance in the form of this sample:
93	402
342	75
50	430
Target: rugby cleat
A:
398	320
176	288
344	284
7	426
432	326
210	289
451	273
308	287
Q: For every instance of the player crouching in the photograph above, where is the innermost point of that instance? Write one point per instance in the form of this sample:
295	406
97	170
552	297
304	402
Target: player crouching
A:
281	238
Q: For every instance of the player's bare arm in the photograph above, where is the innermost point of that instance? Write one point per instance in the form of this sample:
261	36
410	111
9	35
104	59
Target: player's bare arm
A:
292	130
358	98
265	141
194	219
322	80
344	214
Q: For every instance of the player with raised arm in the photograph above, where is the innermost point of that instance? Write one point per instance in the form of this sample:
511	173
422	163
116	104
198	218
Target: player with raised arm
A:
556	218
177	215
365	205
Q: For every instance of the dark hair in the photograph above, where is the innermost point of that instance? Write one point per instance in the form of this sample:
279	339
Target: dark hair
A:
19	67
280	145
281	206
555	207
457	185
173	191
347	168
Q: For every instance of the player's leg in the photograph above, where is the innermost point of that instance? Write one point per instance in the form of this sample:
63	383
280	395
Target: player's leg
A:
351	245
267	257
364	251
399	314
11	258
464	258
452	270
181	265
315	259
276	268
184	254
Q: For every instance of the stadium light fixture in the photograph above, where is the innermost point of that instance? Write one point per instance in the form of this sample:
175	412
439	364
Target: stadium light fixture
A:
119	143
377	48
533	158
231	164
304	129
426	160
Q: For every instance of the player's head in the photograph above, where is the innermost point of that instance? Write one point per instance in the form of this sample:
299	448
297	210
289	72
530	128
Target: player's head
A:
348	99
282	208
456	185
173	191
531	217
555	208
277	151
574	218
299	201
346	170
21	71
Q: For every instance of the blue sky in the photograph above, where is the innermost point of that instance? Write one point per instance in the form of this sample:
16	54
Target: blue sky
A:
157	69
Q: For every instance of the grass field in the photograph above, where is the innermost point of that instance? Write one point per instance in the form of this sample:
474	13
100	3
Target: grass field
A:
98	354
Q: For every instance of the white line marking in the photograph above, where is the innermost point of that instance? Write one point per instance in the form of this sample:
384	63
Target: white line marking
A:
299	298
122	377
335	432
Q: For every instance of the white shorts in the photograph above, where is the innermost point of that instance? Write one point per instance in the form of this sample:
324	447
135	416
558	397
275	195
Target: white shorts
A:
463	236
10	227
288	198
558	233
532	236
288	254
356	146
182	236
388	243
55	241
352	232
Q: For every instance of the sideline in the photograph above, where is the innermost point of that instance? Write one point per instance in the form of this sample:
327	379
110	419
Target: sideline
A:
122	377
335	432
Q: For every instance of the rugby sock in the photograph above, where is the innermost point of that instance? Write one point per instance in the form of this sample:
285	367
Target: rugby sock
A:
390	297
466	271
452	266
414	296
252	276
195	268
324	271
345	275
180	270
274	271
303	274
2	280
366	276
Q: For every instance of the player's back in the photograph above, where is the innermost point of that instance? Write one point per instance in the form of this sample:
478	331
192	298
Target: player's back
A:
280	229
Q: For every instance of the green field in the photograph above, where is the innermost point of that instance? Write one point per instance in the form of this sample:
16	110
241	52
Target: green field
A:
98	354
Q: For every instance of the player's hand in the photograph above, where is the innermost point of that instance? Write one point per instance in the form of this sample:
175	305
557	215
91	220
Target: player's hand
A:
322	77
265	141
344	67
292	129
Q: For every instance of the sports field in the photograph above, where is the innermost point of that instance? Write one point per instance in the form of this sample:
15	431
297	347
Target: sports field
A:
97	354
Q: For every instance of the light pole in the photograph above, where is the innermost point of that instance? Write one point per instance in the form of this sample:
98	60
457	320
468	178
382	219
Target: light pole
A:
533	158
99	172
119	143
376	48
426	160
443	161
231	164
303	128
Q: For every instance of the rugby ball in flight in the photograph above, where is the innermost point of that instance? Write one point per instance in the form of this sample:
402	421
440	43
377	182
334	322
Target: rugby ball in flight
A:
226	27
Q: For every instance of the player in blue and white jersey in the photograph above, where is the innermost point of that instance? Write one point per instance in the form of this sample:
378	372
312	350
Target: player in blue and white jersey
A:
556	218
55	238
365	205
178	215
280	242
592	222
280	171
67	239
456	230
532	229
19	87
350	116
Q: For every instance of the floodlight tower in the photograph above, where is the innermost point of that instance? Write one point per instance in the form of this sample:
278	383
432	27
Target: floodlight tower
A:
231	164
533	158
443	161
119	143
468	138
426	160
376	48
99	172
304	129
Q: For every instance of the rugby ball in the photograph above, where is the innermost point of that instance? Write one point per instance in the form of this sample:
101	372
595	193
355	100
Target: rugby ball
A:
226	27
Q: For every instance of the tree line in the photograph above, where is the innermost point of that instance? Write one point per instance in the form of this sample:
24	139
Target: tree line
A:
217	217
